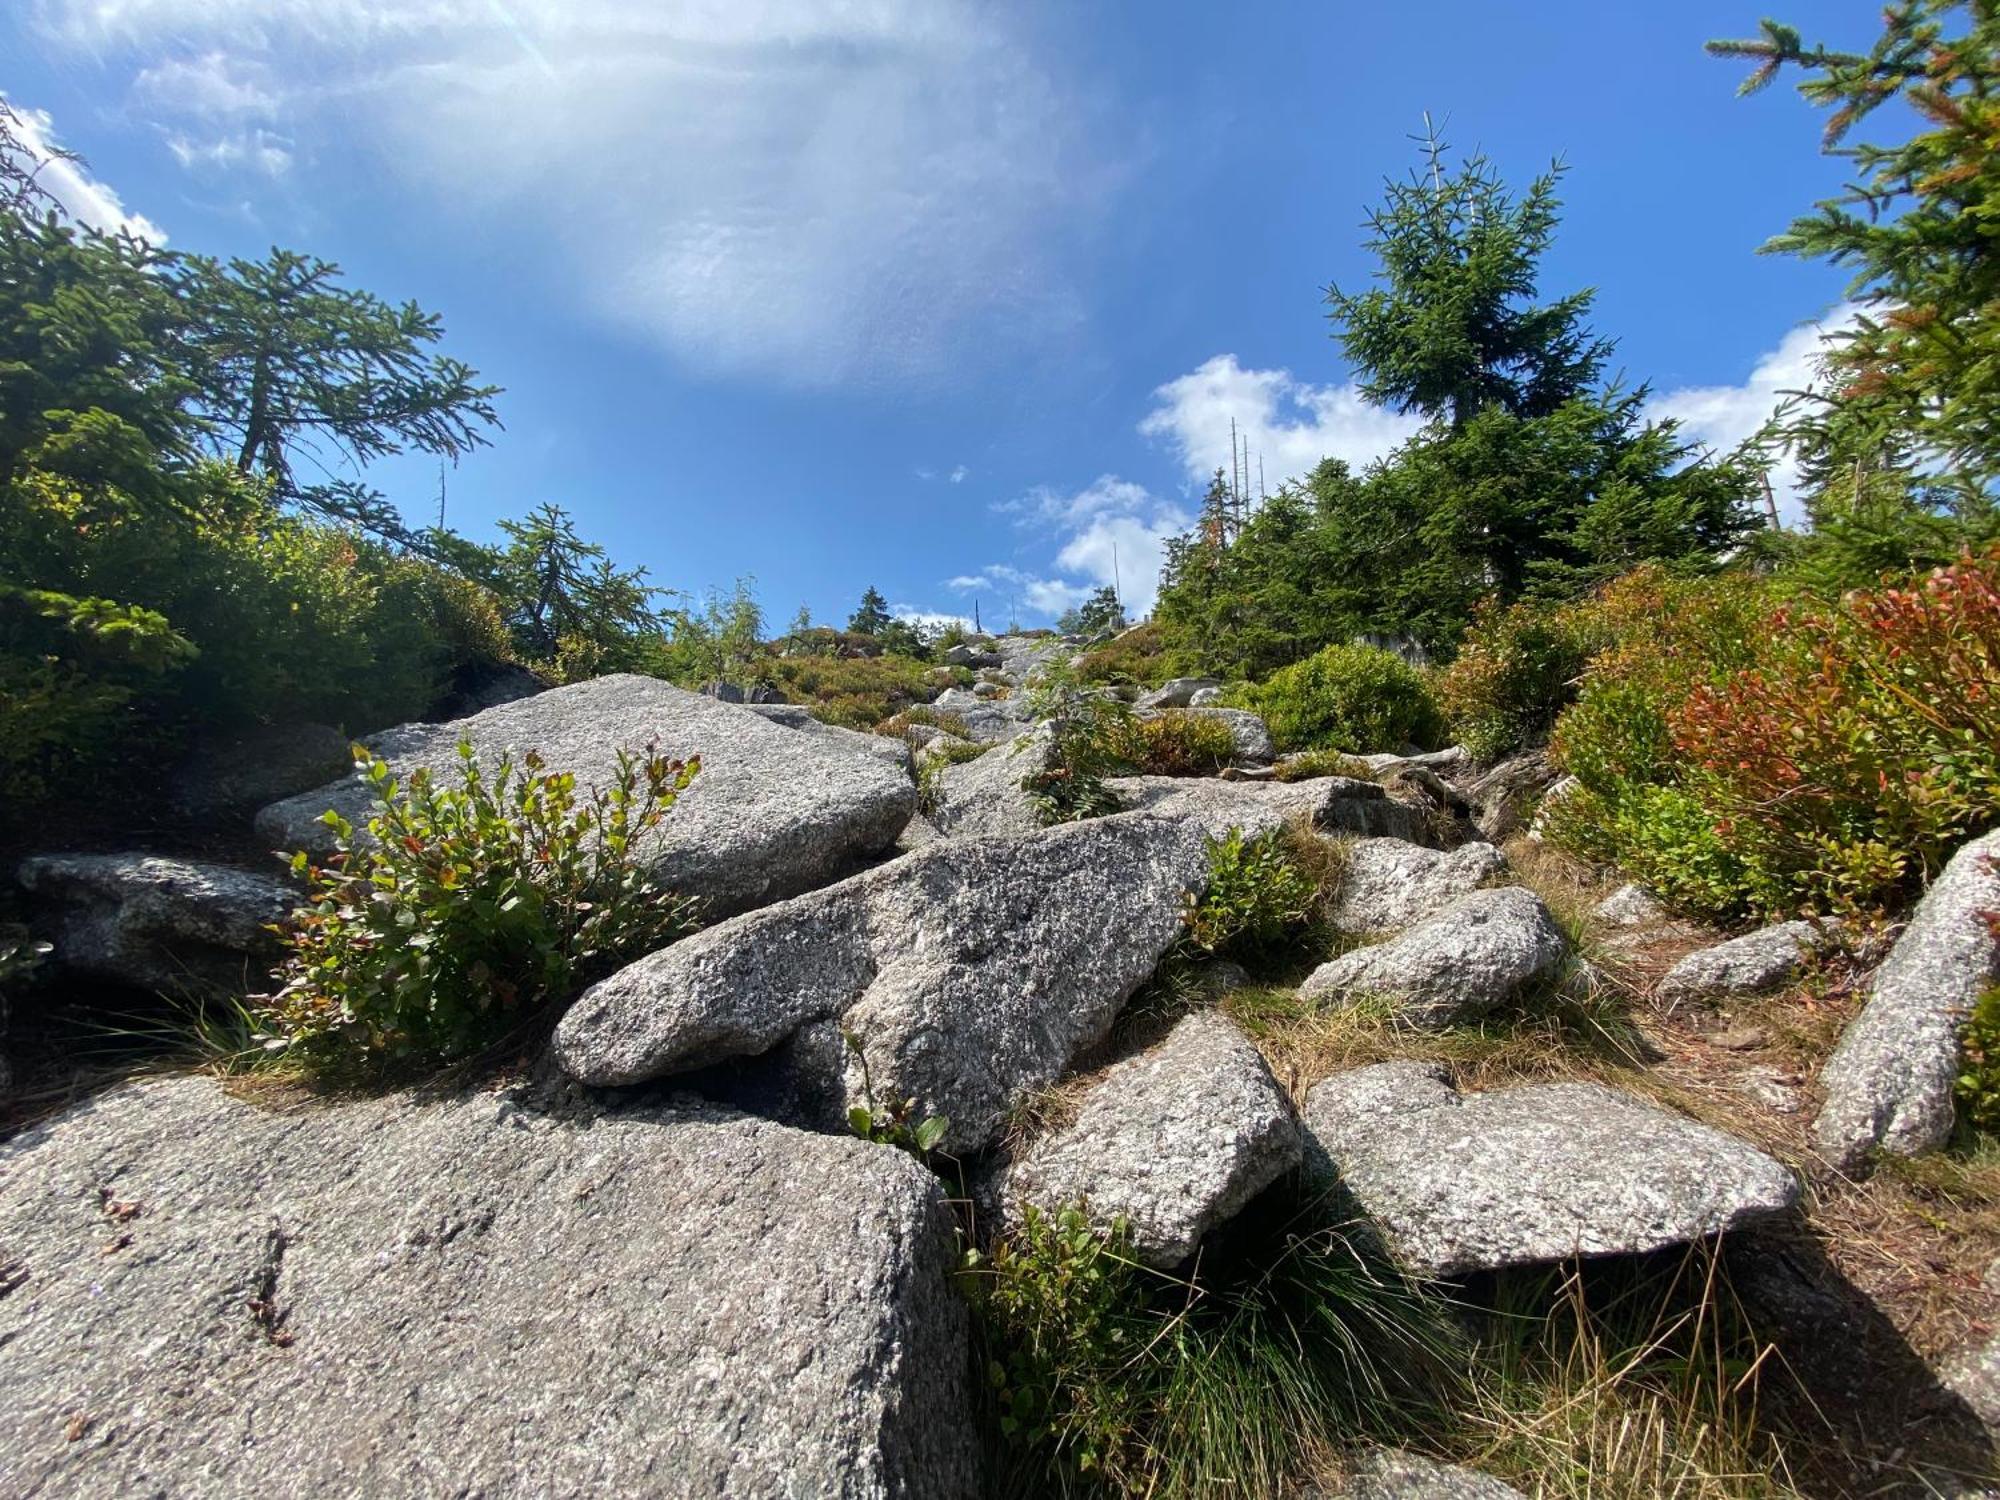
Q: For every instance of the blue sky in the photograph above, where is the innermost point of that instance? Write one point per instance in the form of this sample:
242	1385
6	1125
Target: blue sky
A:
952	299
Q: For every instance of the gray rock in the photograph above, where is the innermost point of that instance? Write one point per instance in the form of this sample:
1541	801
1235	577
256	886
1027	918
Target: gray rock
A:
722	692
489	688
988	690
1771	1087
1174	1141
1179	692
773	812
895	750
1331	804
1754	964
227	778
1389	883
1973	1375
1505	794
1558	793
1471	958
972	971
461	1298
1253	741
1631	906
1521	1176
1443	762
1889	1083
987	722
161	924
1392	1474
1023	656
967	655
983	797
1208	697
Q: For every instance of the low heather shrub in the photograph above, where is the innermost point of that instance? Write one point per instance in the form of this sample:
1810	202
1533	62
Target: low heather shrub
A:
1517	669
471	906
1259	894
1738	754
1356	698
1174	742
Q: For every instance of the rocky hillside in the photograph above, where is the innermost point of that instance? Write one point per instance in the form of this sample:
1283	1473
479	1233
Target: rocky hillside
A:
675	1249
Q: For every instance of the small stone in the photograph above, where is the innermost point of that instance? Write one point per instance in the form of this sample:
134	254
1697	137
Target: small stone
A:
1776	1090
1392	1474
1179	692
1471	958
1739	1038
1631	906
1388	884
1173	1142
1754	964
1529	1175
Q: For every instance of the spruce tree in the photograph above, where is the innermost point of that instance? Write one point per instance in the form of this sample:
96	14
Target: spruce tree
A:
297	373
1916	384
1454	327
872	618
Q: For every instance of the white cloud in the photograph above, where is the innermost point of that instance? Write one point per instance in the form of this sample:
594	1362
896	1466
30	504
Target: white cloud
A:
1723	416
1111	531
211	86
1288	423
783	188
83	197
255	150
959	475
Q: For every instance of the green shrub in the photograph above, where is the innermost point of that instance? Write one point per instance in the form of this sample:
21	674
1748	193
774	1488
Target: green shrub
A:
1109	1378
932	762
1173	742
1741	755
1515	672
1137	657
71	671
469	908
1258	895
256	615
1084	727
855	692
1978	1083
1357	698
1309	765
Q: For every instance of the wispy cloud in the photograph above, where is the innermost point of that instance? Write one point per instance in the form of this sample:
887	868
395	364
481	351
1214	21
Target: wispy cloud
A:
779	188
1112	531
1287	423
1723	416
84	197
